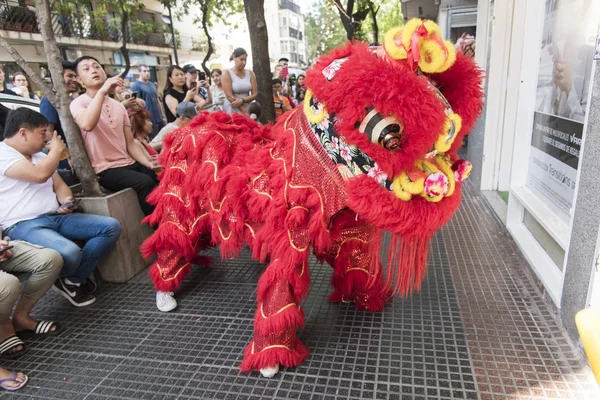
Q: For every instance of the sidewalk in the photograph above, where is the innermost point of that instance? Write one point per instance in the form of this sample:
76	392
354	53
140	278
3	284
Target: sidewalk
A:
479	329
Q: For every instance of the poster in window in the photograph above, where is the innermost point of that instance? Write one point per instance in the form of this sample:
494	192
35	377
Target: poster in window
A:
565	68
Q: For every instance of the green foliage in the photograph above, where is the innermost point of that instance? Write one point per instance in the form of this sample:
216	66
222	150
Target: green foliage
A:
388	17
216	10
323	28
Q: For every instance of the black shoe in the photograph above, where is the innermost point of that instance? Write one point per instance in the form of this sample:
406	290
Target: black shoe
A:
75	294
89	286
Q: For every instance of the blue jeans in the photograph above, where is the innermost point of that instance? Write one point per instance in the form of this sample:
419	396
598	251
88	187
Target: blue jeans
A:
57	231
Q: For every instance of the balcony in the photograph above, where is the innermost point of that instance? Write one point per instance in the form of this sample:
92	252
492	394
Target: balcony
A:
295	33
77	20
289	5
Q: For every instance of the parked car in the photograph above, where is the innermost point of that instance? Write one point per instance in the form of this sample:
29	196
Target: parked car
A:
9	102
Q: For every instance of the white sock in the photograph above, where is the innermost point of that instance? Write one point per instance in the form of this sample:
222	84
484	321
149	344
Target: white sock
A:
68	282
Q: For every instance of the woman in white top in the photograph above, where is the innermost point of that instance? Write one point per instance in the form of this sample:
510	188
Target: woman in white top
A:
239	84
218	95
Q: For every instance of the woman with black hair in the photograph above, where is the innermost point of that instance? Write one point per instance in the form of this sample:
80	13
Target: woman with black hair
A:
239	84
176	91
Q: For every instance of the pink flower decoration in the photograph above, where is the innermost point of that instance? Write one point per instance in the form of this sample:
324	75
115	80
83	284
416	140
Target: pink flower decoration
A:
377	174
462	169
345	152
436	184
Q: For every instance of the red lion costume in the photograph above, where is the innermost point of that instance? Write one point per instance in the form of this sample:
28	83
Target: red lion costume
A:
373	149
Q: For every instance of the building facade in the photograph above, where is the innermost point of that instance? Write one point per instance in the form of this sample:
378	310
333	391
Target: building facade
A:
285	24
83	27
536	152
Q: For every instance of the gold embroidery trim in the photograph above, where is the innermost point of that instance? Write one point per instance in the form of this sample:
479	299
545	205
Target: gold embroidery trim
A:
347	240
220	205
250	228
279	311
186	205
358	269
214	164
181	228
174	276
293	245
221	233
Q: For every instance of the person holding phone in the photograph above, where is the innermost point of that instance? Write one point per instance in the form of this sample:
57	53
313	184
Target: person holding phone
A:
38	207
177	91
197	79
106	131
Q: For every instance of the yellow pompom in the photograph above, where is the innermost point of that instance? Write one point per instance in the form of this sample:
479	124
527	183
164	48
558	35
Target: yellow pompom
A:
432	56
451	58
315	116
452	127
432	28
389	42
399	191
410	28
410	186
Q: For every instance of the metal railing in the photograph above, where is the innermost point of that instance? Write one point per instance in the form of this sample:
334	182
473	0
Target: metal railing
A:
289	5
76	20
295	33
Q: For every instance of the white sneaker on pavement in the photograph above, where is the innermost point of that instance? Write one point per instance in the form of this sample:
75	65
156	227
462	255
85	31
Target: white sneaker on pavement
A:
165	301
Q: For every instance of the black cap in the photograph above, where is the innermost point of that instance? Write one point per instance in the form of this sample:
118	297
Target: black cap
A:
189	68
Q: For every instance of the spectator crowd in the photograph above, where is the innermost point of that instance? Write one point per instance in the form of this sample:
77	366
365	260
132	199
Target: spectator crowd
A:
44	235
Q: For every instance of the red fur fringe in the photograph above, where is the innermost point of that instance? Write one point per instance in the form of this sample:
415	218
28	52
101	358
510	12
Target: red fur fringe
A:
292	317
270	357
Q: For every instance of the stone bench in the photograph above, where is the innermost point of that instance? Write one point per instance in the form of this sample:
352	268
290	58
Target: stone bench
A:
125	260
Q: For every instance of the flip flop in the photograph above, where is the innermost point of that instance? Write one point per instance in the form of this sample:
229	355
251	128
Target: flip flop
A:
13	379
42	328
10	343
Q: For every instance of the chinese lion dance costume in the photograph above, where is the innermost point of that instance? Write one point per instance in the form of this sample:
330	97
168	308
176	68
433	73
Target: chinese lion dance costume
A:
372	149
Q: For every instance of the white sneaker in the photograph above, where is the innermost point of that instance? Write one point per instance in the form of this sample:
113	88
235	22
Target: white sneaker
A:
165	301
270	372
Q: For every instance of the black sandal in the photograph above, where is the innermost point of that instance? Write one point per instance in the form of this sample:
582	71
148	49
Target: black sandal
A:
7	346
42	328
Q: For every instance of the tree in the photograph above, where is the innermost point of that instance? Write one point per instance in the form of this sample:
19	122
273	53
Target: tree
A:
390	12
126	9
255	14
211	11
58	97
345	13
324	31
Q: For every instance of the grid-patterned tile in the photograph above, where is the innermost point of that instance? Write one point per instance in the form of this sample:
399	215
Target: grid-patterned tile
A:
414	349
502	343
518	348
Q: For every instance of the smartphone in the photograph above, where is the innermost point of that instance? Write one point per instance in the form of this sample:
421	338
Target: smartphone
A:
193	85
284	73
70	205
201	76
134	95
2	250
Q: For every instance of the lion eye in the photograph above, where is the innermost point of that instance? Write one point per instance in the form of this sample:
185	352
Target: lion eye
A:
391	141
385	131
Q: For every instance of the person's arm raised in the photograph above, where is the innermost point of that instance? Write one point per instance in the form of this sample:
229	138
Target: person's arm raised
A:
88	120
25	170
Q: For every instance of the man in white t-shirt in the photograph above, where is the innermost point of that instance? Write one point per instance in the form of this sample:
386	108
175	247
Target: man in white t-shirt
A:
37	206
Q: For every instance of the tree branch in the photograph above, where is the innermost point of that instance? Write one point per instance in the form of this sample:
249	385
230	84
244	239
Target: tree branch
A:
34	76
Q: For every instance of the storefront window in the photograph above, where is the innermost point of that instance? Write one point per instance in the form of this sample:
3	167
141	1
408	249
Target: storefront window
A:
565	66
